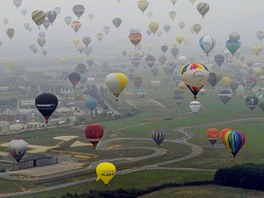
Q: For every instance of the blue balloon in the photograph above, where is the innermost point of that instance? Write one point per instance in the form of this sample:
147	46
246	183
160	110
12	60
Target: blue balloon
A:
233	46
91	104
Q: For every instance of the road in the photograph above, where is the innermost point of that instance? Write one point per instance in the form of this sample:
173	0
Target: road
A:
196	150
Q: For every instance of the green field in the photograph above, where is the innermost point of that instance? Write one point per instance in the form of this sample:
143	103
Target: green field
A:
150	117
204	191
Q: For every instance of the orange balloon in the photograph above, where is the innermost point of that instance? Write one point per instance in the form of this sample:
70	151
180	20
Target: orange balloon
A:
223	132
212	135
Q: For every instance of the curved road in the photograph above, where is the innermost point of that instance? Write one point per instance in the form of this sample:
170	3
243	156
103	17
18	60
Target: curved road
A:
196	150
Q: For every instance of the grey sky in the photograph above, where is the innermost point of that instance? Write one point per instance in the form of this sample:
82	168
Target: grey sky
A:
224	16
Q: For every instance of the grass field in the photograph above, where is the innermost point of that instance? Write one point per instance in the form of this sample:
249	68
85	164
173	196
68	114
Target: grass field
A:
204	191
140	180
152	116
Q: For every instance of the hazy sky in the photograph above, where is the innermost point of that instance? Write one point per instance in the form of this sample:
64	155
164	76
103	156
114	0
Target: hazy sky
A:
224	16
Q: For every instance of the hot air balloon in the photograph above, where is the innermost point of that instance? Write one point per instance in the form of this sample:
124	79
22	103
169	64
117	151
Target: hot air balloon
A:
153	27
174	2
260	35
91	16
155	84
78	10
234	140
44	52
38	16
164	48
251	102
90	62
175	51
162	59
226	81
106	29
135	61
212	135
219	59
46	23
196	28
150	13
17	148
105	171
91	104
86	40
192	1
234	85
181	24
250	82
117	22
57	10
256	49
10	32
46	103
233	46
194	75
68	20
24	12
116	83
138	81
223	132
178	96
143	5
94	132
158	136
76	25
135	38
74	78
41	41
202	91
179	38
17	3
81	68
195	106
213	79
100	36
207	43
172	15
167	28
141	93
203	8
51	15
150	60
224	96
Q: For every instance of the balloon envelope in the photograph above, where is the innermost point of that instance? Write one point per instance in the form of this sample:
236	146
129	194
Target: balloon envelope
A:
17	148
94	132
105	171
46	103
158	136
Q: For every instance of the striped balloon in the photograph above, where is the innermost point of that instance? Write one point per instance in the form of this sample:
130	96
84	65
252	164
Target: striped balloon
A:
234	140
203	8
135	38
158	136
38	16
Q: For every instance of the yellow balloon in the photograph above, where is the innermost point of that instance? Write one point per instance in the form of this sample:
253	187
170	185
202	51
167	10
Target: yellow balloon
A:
179	38
153	27
116	83
256	49
257	71
182	86
75	41
181	24
105	171
143	5
226	81
10	65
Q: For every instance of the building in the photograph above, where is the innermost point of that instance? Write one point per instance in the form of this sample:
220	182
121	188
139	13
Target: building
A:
36	160
35	125
17	127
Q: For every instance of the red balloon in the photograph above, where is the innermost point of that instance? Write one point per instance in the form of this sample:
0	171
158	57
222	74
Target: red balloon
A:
94	132
212	135
135	38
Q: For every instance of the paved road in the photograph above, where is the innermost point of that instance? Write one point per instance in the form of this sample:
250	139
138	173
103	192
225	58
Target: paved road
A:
196	150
